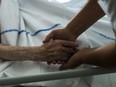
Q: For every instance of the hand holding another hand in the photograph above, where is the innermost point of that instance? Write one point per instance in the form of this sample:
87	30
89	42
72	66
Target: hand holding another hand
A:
62	34
77	59
57	50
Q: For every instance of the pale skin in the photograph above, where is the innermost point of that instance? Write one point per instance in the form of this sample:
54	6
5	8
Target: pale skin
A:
104	56
53	50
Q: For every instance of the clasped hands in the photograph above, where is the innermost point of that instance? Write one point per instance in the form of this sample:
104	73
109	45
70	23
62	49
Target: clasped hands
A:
59	51
63	41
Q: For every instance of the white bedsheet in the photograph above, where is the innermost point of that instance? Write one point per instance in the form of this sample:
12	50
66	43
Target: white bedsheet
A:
27	22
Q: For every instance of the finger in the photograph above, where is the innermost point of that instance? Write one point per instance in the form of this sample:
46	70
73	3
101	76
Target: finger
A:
49	62
65	56
68	50
75	49
54	62
59	62
48	37
68	43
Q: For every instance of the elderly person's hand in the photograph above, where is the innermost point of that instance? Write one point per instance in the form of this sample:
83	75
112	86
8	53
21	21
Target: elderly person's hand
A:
53	50
56	50
62	34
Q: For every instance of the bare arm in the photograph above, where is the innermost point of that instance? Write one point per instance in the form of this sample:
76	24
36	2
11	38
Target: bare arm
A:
80	23
53	50
20	53
104	56
16	53
86	17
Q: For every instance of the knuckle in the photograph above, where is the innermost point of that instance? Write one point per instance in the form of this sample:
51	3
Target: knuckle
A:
58	41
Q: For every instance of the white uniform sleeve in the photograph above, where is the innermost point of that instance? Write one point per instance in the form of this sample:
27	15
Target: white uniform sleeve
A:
109	7
103	5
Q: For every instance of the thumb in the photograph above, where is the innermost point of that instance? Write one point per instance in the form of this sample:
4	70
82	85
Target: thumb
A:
70	64
48	37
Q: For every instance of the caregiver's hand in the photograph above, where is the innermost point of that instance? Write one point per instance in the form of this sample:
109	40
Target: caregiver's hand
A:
63	34
84	54
57	50
104	56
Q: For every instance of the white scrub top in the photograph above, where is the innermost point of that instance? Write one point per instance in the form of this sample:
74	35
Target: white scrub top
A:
109	7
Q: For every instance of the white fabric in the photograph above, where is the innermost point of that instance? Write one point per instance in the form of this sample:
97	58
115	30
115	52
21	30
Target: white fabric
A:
19	17
109	7
26	23
103	5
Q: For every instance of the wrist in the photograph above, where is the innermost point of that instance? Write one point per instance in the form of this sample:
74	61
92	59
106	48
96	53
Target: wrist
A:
91	57
73	36
107	55
38	54
73	31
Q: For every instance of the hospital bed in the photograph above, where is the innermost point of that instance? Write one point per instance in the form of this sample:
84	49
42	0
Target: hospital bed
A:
40	77
55	75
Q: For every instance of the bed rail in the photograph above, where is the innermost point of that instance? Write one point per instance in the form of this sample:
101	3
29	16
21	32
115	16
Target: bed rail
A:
55	76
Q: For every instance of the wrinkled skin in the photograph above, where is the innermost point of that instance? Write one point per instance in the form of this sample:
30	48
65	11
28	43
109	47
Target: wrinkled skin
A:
57	50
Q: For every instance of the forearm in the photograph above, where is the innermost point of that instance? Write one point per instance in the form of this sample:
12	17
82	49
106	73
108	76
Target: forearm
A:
103	56
107	55
86	17
21	53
